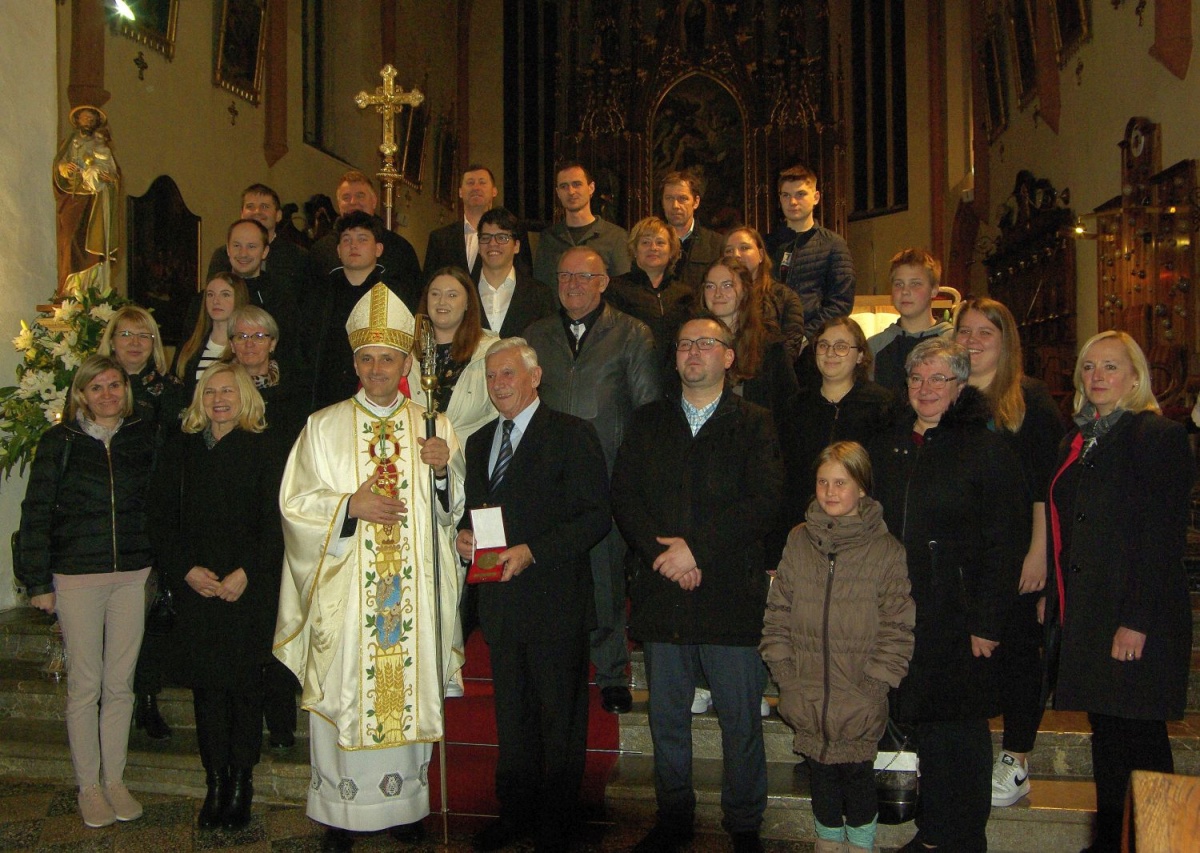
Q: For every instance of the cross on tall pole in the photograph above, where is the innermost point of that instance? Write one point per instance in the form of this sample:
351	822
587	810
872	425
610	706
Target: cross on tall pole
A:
389	100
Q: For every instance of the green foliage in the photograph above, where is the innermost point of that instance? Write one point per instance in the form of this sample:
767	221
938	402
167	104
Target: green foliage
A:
53	348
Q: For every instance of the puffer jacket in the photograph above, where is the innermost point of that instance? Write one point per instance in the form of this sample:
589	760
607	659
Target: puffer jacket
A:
838	632
87	514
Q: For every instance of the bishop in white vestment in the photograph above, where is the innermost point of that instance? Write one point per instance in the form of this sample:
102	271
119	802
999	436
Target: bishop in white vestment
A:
356	612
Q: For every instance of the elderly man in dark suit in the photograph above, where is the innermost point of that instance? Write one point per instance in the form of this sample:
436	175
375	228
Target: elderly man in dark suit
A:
599	364
546	472
511	298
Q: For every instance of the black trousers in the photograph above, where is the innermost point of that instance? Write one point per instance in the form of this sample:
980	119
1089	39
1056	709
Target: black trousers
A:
1020	654
1120	746
279	697
228	727
843	794
153	664
956	784
541	695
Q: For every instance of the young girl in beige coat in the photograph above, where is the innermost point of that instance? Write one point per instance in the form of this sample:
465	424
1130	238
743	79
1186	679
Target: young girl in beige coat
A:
837	634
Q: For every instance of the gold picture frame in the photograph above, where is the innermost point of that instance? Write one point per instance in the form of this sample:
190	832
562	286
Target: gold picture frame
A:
995	117
153	26
1023	37
1070	28
241	48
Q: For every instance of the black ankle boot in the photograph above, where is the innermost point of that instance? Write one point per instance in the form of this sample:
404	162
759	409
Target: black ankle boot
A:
147	717
216	800
237	813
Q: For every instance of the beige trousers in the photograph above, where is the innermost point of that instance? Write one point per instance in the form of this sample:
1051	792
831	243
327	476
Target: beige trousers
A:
102	627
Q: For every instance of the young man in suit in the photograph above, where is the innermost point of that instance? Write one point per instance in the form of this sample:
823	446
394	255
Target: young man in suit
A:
511	298
546	471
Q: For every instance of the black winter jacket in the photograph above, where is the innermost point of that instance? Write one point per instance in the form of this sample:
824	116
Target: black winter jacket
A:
822	274
719	491
85	506
958	505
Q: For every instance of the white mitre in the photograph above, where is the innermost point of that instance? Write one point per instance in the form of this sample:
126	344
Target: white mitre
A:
380	319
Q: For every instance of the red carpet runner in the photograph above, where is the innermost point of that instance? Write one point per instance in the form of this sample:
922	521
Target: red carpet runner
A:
471	738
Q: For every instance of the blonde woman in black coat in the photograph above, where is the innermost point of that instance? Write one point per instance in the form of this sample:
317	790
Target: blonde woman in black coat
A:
1120	623
216	532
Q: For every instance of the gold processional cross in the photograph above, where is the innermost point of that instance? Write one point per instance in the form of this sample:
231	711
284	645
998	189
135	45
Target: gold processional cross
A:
389	100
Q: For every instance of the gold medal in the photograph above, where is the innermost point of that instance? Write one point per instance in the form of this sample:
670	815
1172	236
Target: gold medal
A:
486	561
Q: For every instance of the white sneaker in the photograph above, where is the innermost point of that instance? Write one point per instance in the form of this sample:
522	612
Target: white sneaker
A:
124	806
702	702
764	709
1010	781
94	808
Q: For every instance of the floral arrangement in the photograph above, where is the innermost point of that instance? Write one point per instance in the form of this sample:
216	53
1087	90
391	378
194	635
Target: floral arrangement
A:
53	346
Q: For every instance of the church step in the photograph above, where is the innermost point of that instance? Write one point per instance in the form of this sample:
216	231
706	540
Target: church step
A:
1063	744
1056	815
38	749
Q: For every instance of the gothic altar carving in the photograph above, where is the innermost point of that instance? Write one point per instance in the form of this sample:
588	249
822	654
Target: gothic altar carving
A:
736	91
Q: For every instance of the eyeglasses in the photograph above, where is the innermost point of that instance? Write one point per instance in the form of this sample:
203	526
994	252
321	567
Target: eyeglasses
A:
839	347
702	344
145	337
581	277
502	239
937	381
254	336
713	286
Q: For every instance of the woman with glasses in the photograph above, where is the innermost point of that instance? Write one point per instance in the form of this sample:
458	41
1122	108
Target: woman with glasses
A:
761	372
1024	415
253	341
846	406
133	340
214	524
650	291
952	493
1117	595
779	301
85	556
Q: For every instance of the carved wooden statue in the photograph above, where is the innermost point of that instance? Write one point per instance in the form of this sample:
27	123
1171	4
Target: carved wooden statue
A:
86	181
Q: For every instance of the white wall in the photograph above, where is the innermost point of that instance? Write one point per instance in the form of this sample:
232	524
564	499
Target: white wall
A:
27	254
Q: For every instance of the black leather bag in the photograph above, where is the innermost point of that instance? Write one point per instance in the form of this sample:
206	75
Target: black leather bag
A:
160	605
896	775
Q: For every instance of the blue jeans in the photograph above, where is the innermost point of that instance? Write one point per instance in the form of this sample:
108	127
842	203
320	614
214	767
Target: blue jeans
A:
736	678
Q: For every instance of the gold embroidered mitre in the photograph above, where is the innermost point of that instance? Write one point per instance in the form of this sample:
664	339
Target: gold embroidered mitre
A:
380	319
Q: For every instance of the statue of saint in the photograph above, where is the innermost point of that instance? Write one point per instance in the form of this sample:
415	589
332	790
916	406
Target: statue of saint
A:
86	182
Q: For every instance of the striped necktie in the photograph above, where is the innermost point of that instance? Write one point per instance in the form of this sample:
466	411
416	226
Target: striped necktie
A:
503	457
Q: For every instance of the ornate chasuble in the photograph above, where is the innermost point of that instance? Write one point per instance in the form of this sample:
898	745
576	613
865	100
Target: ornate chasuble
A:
356	614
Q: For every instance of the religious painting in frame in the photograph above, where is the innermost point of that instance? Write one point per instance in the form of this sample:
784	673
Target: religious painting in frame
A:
697	126
1070	28
414	122
991	65
153	25
239	65
1021	34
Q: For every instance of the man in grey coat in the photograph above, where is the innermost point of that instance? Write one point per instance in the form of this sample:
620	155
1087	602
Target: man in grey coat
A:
598	364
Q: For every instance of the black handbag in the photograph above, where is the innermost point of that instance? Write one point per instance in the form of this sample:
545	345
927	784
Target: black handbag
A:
160	605
896	782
